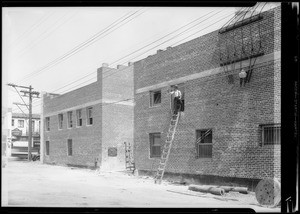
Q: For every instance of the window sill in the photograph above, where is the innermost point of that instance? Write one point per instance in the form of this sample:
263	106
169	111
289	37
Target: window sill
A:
155	106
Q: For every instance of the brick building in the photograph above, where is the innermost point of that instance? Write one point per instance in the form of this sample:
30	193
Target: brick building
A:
88	126
244	142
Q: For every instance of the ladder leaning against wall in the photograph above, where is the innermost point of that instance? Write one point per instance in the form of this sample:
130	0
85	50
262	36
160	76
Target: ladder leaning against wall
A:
167	148
129	157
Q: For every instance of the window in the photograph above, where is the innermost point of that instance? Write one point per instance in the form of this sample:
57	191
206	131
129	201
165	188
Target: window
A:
12	122
155	98
155	145
89	112
69	147
47	123
47	147
20	123
204	143
271	134
60	121
70	119
79	117
32	125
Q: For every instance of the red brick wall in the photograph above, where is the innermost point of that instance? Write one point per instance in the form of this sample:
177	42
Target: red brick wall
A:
234	113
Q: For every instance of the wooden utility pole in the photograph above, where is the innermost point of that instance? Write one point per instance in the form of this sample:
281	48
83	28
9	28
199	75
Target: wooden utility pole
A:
29	94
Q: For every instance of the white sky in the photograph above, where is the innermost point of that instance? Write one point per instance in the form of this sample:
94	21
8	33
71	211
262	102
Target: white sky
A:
34	37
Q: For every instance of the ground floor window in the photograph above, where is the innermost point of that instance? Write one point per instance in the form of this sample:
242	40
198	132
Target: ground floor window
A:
47	147
155	145
70	147
204	143
271	134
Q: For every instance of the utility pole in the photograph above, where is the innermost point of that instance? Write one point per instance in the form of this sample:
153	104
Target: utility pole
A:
29	94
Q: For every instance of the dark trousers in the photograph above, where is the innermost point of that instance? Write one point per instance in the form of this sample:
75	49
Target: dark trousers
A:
177	105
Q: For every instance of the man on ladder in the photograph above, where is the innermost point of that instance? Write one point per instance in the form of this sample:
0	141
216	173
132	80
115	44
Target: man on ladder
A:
177	99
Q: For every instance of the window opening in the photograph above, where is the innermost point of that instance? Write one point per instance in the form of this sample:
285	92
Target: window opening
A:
204	143
155	145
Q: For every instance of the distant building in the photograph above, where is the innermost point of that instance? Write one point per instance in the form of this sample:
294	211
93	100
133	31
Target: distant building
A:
243	144
19	132
88	126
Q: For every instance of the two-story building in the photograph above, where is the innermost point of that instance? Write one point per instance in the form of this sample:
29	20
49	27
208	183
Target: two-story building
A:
88	126
241	122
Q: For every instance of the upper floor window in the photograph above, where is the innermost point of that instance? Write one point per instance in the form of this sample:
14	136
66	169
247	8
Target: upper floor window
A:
155	98
47	123
60	121
20	123
70	119
204	143
271	134
89	112
12	122
79	117
32	125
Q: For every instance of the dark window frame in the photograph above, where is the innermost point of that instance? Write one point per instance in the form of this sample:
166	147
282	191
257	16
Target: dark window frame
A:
70	147
206	144
70	119
79	119
60	121
155	98
89	117
47	123
47	147
154	148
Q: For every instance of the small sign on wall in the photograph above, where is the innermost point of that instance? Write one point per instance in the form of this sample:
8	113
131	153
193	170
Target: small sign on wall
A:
112	151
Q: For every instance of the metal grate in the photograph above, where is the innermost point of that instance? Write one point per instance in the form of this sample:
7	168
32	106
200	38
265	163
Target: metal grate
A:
271	135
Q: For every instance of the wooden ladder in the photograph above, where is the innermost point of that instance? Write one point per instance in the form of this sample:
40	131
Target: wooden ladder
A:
129	157
166	149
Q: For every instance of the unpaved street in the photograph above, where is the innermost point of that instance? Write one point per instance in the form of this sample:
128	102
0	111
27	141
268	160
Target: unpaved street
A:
39	185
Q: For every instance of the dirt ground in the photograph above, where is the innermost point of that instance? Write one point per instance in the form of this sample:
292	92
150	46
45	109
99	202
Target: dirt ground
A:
32	184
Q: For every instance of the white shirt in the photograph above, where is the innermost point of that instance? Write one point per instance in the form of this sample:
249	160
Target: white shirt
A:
176	93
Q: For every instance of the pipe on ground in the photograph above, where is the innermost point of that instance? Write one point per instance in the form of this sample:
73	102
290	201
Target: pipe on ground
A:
207	189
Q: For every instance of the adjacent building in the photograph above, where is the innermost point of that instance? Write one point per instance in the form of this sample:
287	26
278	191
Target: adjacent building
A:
89	126
242	121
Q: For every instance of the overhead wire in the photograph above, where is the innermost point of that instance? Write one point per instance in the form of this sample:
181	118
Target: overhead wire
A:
83	45
141	48
47	33
32	28
172	37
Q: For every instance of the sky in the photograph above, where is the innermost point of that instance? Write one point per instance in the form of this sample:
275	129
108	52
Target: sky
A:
58	49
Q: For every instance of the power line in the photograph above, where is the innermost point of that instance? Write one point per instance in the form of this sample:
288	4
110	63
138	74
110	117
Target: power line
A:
145	46
137	56
47	33
33	27
83	45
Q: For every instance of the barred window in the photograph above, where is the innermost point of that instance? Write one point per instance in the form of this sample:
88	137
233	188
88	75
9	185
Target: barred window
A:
204	143
155	145
271	134
155	98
